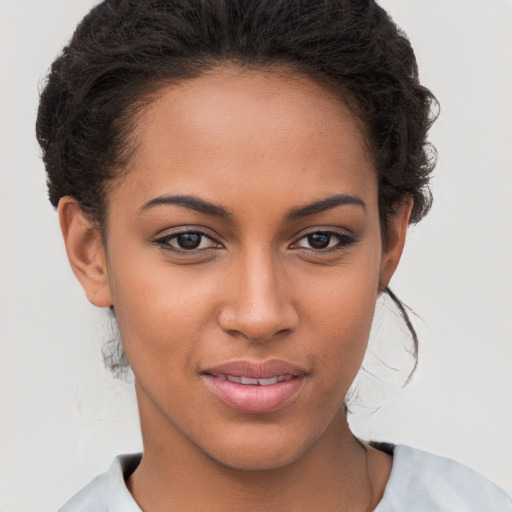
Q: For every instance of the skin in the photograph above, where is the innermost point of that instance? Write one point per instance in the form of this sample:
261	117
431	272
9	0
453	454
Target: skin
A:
260	145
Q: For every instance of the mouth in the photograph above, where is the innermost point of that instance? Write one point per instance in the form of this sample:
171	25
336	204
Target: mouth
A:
250	381
255	387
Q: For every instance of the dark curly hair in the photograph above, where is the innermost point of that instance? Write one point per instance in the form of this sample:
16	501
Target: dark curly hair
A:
123	51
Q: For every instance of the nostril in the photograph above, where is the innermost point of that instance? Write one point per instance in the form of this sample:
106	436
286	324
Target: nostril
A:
260	335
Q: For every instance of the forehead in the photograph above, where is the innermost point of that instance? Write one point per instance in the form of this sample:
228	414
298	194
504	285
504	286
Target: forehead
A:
258	132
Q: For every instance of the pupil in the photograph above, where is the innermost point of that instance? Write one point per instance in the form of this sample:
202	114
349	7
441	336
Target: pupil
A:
189	240
319	240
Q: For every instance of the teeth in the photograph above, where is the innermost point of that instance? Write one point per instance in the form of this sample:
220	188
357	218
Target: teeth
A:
256	382
267	382
248	380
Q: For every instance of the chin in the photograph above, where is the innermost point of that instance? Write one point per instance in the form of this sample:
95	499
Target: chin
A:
258	453
256	461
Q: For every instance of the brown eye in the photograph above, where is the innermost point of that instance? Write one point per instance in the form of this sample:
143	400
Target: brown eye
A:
319	240
324	241
187	241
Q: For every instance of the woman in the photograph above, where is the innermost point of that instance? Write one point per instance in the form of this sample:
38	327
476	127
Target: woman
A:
235	182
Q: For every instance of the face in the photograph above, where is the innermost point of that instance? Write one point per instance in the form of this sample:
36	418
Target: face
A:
243	260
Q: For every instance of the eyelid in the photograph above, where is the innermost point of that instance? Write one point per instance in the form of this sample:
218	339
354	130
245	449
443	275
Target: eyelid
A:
340	233
162	240
344	236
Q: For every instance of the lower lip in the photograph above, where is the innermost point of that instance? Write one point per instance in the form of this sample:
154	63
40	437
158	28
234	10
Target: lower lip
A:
255	399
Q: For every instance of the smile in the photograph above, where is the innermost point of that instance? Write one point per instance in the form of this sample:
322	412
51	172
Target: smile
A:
249	381
250	387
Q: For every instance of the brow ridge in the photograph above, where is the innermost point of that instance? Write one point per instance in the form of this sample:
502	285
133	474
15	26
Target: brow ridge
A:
325	204
187	201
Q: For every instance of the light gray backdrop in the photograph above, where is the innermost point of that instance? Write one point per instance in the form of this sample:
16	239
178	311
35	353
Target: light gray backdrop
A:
62	418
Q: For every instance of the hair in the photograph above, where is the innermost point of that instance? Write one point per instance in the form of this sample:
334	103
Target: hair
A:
123	51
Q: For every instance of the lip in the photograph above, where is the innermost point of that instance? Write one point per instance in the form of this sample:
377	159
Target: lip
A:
255	398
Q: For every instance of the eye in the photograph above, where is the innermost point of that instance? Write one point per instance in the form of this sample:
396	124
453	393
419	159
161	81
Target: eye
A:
187	241
324	241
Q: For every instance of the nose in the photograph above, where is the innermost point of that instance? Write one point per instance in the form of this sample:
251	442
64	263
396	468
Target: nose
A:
257	301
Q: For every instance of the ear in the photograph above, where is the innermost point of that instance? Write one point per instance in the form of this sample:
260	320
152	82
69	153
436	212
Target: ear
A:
397	231
85	252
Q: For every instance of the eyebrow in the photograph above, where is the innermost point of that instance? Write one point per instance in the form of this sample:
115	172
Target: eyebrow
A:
202	206
191	202
325	204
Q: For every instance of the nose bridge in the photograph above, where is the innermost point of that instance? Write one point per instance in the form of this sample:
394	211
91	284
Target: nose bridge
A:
257	303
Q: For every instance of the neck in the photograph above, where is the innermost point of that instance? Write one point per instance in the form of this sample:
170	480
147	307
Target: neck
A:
174	474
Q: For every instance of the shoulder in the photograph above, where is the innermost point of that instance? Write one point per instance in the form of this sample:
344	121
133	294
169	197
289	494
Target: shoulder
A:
92	497
424	482
107	491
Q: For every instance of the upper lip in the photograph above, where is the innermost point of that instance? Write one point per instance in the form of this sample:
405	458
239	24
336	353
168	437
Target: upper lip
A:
254	370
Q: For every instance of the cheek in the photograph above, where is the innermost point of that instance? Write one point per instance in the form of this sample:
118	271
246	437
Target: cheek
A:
345	327
160	308
340	314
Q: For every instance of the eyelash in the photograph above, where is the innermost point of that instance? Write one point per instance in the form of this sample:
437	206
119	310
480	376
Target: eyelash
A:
344	241
164	242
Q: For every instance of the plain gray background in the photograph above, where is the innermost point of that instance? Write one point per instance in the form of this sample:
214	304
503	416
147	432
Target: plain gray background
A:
63	418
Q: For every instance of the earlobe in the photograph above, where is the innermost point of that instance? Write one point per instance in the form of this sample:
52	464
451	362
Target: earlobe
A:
85	252
396	235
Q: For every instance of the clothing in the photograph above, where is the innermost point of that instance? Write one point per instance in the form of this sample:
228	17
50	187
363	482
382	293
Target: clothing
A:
419	482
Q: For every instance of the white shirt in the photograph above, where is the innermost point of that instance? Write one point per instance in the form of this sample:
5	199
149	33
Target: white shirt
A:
419	482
